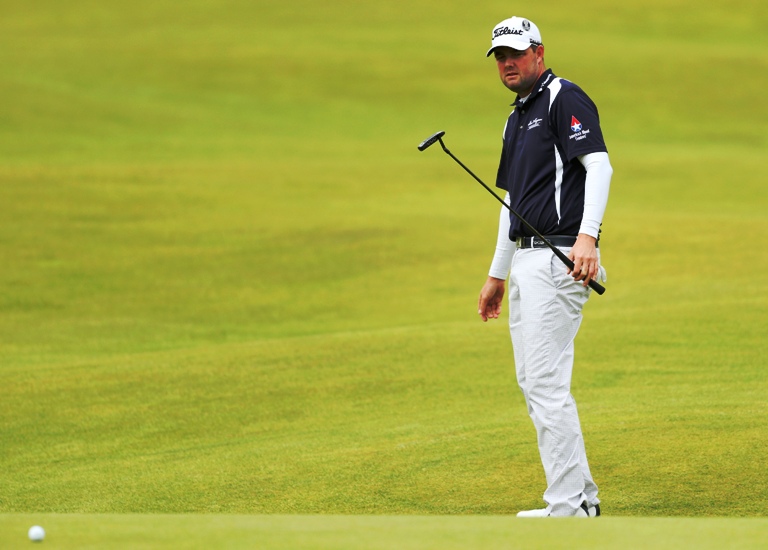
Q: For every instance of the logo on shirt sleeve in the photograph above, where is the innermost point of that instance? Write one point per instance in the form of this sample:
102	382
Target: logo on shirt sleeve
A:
578	132
575	124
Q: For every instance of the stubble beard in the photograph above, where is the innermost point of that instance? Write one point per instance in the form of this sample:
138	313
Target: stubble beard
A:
522	86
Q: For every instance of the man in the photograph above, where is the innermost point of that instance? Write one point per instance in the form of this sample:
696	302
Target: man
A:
555	169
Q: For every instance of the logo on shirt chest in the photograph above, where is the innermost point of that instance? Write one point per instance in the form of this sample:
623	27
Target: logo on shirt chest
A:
535	123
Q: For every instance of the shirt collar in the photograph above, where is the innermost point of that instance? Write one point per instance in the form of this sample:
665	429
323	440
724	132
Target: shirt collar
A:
545	78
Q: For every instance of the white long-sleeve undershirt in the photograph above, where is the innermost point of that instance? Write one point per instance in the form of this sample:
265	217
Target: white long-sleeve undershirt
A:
505	248
597	185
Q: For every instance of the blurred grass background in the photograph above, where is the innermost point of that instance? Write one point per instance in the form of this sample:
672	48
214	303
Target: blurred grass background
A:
230	283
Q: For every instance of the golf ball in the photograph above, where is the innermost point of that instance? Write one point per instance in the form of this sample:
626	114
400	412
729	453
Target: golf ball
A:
36	533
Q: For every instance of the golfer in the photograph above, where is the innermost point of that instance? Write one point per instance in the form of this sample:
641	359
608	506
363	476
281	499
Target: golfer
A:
555	170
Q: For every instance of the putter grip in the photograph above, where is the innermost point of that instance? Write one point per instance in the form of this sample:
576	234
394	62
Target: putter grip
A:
594	285
597	287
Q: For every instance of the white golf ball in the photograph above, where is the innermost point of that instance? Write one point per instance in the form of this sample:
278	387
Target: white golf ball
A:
36	533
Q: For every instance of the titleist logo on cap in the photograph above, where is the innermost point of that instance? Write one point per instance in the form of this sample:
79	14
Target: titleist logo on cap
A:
501	31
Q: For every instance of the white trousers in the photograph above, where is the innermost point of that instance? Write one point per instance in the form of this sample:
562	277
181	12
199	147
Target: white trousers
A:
545	306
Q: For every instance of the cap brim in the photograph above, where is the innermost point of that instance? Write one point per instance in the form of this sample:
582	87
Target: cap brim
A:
520	45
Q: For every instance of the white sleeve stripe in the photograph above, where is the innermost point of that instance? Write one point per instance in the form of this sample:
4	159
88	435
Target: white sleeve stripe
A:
554	89
558	181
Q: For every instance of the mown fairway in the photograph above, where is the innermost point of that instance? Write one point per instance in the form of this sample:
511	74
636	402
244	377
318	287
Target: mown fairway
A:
230	284
351	532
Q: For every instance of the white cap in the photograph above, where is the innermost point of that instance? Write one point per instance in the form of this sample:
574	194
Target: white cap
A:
515	32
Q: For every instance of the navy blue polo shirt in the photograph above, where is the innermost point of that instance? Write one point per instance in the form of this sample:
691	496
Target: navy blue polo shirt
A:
544	135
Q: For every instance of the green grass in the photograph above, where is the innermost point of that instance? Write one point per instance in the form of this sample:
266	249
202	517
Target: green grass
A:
86	531
229	284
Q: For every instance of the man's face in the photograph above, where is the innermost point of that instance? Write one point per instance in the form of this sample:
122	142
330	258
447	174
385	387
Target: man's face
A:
519	70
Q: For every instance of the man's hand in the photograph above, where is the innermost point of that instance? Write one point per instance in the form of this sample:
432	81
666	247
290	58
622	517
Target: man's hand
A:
489	304
584	256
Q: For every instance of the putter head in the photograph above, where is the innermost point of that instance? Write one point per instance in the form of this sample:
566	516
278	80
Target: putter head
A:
431	140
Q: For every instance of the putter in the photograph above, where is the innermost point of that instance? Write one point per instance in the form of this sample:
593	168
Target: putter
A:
438	137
